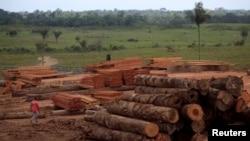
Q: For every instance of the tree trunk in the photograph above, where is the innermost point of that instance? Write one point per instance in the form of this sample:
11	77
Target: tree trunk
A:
122	123
143	111
199	42
165	100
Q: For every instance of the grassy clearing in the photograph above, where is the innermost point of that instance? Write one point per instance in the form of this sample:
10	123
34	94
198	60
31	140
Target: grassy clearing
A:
216	39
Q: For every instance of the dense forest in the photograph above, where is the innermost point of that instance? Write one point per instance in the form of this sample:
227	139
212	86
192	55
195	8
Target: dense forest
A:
108	18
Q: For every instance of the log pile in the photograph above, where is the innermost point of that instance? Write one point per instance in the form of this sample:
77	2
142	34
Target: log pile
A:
182	108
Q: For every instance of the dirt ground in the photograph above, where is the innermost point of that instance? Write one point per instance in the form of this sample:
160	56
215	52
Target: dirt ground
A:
67	128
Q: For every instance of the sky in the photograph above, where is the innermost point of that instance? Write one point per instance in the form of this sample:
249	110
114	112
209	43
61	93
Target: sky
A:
84	5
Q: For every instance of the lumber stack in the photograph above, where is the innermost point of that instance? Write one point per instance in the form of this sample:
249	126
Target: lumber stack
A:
92	81
198	66
74	102
128	76
105	96
162	63
67	101
142	71
28	76
182	108
112	77
133	62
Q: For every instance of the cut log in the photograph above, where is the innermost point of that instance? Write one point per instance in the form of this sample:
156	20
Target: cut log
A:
198	126
19	115
170	128
143	111
163	137
122	123
166	100
186	95
199	137
172	82
193	112
105	134
243	102
221	99
233	84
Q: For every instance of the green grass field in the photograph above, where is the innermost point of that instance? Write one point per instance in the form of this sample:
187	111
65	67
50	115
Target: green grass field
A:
217	42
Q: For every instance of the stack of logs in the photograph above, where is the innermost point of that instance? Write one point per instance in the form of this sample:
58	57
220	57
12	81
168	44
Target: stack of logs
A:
170	109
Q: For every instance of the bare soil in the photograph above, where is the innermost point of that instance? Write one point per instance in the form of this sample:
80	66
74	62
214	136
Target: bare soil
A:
67	128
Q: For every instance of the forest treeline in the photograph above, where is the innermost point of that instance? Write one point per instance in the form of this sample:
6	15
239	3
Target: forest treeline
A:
126	18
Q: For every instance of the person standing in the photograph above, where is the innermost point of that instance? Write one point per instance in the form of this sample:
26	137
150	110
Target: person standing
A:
34	107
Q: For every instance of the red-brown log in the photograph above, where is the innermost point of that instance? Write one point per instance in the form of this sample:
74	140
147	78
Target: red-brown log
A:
122	123
143	111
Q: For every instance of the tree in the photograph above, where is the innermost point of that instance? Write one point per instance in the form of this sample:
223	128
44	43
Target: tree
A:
77	38
199	16
244	33
44	32
12	33
83	44
57	34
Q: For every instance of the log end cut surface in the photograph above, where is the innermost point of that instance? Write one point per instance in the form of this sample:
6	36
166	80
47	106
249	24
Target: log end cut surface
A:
151	130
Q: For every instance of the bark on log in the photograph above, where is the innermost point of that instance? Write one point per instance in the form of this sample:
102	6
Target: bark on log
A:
221	99
38	90
143	111
105	134
186	95
122	123
166	100
19	115
170	128
193	112
172	82
233	84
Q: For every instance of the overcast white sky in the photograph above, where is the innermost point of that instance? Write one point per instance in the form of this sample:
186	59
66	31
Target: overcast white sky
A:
82	5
